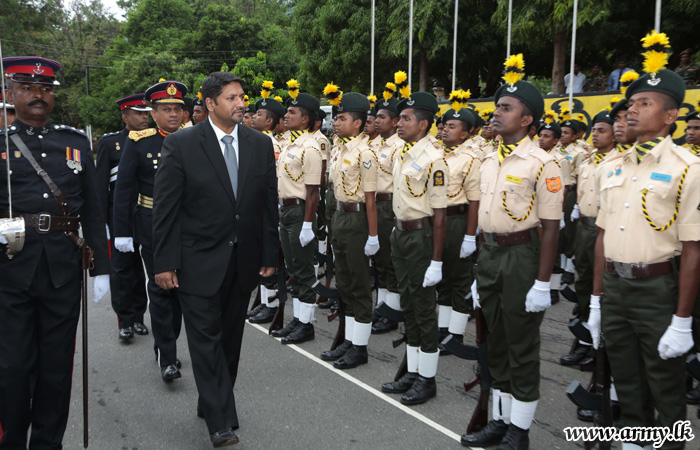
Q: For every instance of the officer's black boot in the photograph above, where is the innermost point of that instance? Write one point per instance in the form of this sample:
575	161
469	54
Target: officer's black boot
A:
355	356
578	354
402	385
384	325
422	390
304	332
515	439
286	331
266	315
492	434
255	311
337	353
126	334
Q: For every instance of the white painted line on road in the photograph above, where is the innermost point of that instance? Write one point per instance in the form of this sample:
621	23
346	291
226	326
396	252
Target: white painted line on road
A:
449	433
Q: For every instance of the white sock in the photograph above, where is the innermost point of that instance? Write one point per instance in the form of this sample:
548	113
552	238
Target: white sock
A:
271	293
295	306
506	406
562	260
322	245
306	312
555	281
613	392
427	363
349	327
263	294
523	413
393	301
361	332
458	323
411	359
496	404
570	265
444	316
381	295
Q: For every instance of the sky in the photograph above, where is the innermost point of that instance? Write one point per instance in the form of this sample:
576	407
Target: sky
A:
112	6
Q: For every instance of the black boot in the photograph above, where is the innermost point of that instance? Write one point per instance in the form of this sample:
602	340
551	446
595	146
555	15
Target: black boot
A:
304	332
492	434
327	304
384	325
286	331
355	356
575	357
266	315
256	310
402	385
333	355
587	364
585	415
515	439
554	296
422	390
126	334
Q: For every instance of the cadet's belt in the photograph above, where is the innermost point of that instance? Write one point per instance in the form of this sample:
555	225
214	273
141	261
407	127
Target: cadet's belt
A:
457	209
349	207
507	239
291	201
45	222
415	224
383	196
145	201
590	221
632	271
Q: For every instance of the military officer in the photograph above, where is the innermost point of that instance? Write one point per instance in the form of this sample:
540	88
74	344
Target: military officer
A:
354	237
127	279
10	112
521	191
419	203
299	174
137	169
40	285
649	194
624	136
687	69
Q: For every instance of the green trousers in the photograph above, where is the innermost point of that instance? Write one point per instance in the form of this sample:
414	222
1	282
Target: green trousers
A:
567	236
585	251
350	232
330	207
635	314
385	268
299	260
504	277
321	209
411	252
457	273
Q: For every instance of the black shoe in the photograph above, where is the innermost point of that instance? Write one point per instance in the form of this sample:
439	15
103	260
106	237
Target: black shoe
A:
328	303
334	355
384	325
554	296
402	385
304	332
585	415
224	438
266	315
126	334
200	413
255	311
569	294
169	373
587	364
456	337
567	278
376	317
178	364
422	390
287	330
693	397
515	439
492	434
575	357
355	356
140	329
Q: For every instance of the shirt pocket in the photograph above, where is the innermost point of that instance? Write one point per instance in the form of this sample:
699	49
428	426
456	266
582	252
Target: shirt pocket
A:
611	194
517	197
658	201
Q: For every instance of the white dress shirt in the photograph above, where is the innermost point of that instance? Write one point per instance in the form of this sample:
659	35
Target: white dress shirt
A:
220	134
579	81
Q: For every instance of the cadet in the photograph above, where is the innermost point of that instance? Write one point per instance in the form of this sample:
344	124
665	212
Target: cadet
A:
454	291
137	169
574	153
326	152
299	174
127	279
40	285
649	194
187	111
249	112
521	190
373	139
10	112
199	112
420	201
692	131
387	153
354	238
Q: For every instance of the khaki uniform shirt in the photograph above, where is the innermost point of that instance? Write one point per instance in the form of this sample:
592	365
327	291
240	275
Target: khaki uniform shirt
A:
434	142
487	148
375	143
587	192
574	154
515	181
420	181
300	164
275	145
629	237
283	139
354	172
324	143
564	165
463	182
387	153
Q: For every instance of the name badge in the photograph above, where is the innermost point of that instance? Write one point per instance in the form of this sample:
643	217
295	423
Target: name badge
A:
513	179
570	158
415	166
661	177
346	161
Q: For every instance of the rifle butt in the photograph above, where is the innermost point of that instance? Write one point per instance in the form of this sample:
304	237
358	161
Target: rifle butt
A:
480	417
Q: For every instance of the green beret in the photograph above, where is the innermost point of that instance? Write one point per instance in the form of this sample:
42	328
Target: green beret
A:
603	116
527	93
320	114
353	102
270	104
251	108
554	127
573	124
619	107
372	112
306	101
666	82
478	120
389	105
693	115
464	114
189	102
419	100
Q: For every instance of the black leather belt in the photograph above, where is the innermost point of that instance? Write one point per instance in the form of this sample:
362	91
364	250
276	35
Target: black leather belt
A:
290	201
349	207
507	239
457	209
590	221
632	271
46	223
383	196
415	224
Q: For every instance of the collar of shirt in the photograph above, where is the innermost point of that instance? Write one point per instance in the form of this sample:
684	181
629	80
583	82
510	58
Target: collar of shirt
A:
658	149
418	148
220	134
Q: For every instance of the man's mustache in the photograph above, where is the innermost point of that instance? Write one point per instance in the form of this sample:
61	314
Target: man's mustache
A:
38	102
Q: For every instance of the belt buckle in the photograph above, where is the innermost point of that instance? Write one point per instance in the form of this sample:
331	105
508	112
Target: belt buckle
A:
491	239
624	270
43	223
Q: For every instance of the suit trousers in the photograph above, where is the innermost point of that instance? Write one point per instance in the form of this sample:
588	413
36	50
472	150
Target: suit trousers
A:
127	284
214	334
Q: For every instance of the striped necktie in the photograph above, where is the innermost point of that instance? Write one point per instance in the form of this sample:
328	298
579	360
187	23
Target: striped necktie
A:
599	157
695	150
643	149
504	150
449	150
383	141
294	134
345	140
406	147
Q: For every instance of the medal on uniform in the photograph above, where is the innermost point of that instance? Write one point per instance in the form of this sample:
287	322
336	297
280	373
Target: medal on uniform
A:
149	155
3	155
73	160
18	154
117	146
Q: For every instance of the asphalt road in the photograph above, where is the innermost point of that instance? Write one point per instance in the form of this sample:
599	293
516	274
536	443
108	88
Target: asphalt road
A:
289	399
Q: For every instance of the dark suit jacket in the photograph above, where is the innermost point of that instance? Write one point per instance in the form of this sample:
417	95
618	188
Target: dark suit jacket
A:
196	218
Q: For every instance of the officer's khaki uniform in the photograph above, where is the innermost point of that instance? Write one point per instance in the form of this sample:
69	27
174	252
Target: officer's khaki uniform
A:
637	312
275	144
354	173
420	186
574	154
330	192
325	146
505	274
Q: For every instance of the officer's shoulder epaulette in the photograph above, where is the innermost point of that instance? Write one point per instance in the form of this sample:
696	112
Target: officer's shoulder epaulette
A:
542	155
12	130
685	155
140	134
67	128
109	134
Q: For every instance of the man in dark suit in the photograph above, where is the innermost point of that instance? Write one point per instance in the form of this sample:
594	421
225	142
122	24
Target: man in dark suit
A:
215	232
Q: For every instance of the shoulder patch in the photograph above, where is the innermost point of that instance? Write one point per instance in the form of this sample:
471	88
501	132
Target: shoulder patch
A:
137	135
685	155
554	184
438	178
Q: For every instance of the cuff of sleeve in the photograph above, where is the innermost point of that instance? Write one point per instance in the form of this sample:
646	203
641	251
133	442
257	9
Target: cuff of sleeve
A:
689	232
549	212
438	203
600	221
312	178
370	186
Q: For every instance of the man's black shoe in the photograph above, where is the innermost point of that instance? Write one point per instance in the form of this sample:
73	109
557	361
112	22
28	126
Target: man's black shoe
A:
140	329
266	315
567	278
333	355
355	356
304	332
178	364
126	334
422	390
492	434
554	296
585	415
515	439
575	357
287	330
328	303
384	325
256	310
401	385
224	438
169	373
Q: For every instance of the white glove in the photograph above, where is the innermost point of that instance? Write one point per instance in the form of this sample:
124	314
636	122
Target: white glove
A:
124	244
372	245
562	222
100	287
677	339
468	246
575	213
2	239
307	234
433	275
107	230
538	297
475	296
594	320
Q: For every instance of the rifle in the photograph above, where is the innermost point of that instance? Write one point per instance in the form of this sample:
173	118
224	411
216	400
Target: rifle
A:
332	293
480	417
330	268
278	320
